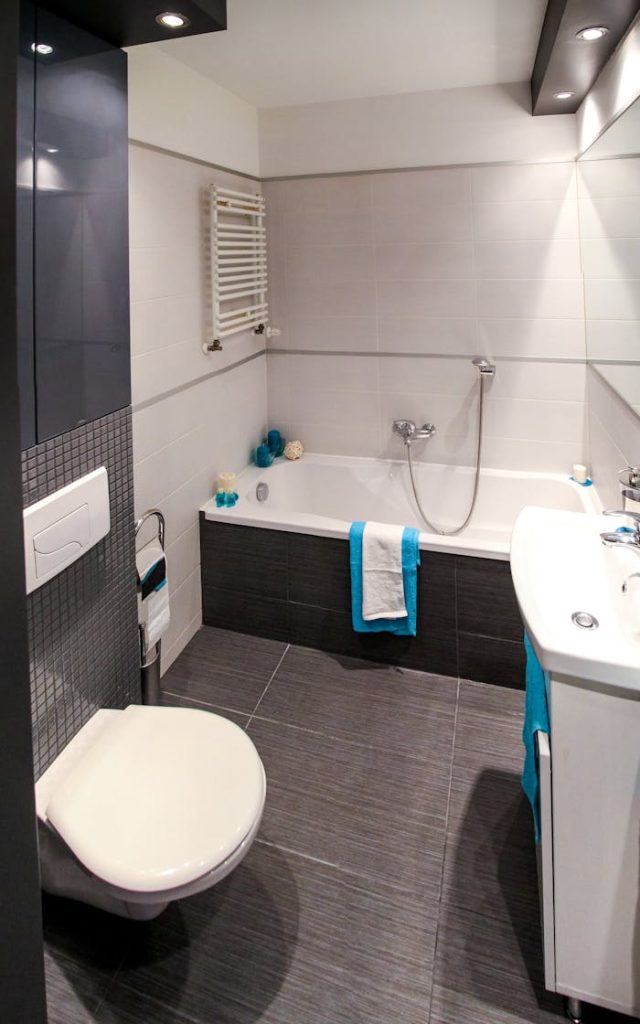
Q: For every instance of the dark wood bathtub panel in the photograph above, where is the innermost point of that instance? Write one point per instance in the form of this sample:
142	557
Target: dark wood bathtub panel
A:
319	572
296	587
487	660
245	613
244	559
330	630
486	599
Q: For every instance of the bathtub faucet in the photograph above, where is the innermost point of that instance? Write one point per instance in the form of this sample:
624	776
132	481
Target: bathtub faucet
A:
409	432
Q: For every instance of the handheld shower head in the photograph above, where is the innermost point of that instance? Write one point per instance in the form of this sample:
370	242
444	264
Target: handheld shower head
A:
484	367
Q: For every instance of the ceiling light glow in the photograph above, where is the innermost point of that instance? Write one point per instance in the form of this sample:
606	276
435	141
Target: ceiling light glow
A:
591	33
171	19
566	95
42	48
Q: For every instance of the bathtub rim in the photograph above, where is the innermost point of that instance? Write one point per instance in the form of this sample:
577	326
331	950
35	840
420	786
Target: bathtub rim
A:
318	525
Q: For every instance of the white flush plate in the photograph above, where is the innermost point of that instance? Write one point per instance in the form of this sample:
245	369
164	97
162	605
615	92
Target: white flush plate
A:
64	526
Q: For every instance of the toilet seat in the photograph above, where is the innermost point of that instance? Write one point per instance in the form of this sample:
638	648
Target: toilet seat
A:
153	798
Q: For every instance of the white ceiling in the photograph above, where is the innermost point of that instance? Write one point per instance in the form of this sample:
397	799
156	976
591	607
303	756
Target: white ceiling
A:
284	52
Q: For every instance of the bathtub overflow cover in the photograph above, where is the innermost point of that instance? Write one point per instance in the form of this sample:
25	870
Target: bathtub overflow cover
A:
585	620
262	491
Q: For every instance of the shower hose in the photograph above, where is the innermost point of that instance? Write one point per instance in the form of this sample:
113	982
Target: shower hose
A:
476	481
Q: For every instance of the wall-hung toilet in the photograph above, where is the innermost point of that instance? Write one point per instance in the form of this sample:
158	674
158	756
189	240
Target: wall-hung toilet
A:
147	805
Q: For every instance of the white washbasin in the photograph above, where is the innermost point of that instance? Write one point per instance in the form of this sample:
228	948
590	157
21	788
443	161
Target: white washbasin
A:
560	566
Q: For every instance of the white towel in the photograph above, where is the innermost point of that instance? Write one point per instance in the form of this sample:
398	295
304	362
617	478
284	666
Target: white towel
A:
382	583
153	613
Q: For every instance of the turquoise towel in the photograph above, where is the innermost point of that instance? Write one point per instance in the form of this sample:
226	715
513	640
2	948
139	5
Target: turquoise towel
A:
410	562
536	719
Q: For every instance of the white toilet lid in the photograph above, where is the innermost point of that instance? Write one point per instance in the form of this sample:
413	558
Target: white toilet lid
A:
160	798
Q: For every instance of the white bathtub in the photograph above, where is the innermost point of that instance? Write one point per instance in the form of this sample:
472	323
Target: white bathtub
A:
323	494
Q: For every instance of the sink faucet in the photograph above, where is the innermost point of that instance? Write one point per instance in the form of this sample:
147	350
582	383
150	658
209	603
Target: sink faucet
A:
409	432
630	538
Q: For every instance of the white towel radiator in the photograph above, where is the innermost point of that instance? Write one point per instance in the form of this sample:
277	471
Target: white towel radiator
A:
239	264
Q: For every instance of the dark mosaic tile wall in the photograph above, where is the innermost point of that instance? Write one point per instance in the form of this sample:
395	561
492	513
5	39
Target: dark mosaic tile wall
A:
83	623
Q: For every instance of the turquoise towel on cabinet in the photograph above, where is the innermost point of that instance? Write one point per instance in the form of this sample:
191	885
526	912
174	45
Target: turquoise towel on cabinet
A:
536	719
405	626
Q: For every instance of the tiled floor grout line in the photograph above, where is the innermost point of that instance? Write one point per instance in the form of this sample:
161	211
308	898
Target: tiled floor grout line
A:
93	1014
271	678
444	850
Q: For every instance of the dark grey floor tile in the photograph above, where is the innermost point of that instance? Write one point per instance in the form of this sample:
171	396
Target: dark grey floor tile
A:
379	705
489	971
490	861
173	700
84	948
495	701
127	1006
488	730
367	810
224	669
285	940
72	995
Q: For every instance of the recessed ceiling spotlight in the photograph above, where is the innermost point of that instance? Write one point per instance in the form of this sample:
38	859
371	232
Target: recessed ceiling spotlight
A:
591	33
170	19
42	48
52	149
566	95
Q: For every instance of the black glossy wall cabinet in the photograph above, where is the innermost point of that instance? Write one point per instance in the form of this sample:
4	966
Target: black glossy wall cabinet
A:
75	359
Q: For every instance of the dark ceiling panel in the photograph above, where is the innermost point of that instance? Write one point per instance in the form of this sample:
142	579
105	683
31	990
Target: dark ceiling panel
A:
565	63
130	22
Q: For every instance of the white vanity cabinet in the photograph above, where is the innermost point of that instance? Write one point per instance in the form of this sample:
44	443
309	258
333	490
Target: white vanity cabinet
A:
589	856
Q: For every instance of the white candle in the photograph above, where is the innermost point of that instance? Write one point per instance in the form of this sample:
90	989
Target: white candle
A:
227	483
580	473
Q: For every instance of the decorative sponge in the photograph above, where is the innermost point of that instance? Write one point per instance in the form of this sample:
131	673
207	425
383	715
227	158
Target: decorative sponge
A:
294	450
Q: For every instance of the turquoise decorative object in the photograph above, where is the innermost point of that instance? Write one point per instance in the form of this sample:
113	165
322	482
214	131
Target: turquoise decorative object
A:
226	500
264	456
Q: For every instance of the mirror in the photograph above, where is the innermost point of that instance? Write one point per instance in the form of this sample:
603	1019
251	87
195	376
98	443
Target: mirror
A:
609	210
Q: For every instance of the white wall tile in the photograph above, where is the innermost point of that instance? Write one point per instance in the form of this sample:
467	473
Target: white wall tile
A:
614	339
426	298
419	188
610	216
433	223
428	334
609	177
525	220
515	183
345	333
466	261
532	338
611	257
608	299
424	262
552	258
530	299
328	263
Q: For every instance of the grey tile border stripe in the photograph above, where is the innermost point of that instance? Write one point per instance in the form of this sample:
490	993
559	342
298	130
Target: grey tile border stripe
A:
199	380
417	167
419	355
192	159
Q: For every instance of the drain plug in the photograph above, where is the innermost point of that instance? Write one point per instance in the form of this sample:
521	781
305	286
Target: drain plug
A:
585	620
